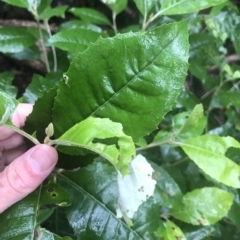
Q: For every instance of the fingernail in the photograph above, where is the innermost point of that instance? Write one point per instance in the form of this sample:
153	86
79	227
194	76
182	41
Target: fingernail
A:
41	159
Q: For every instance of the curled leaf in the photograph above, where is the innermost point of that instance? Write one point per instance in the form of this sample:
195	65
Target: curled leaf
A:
136	188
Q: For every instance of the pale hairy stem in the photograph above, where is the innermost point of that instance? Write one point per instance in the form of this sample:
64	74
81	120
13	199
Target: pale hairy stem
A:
152	18
155	144
114	26
18	130
43	48
53	48
145	14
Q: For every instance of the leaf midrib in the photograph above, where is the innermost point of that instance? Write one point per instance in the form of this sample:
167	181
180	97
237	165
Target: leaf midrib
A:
129	82
100	203
204	150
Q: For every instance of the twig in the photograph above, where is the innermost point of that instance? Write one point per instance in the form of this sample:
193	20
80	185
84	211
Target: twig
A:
114	26
53	48
24	23
45	57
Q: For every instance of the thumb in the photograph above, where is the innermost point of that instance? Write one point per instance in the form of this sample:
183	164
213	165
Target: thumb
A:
25	174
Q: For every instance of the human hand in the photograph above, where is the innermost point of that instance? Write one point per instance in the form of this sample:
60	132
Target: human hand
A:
21	171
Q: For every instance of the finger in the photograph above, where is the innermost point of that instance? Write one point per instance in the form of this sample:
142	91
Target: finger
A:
14	141
21	113
9	155
25	174
18	119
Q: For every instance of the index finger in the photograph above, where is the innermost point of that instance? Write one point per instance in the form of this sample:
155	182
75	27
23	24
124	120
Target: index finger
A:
18	119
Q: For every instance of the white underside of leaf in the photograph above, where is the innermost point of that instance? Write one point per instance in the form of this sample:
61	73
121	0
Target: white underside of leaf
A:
136	188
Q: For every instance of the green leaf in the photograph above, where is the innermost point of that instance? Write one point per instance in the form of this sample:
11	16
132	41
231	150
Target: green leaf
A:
208	153
185	125
81	25
38	86
53	12
187	100
204	206
31	53
7	107
173	7
116	6
150	69
17	3
226	99
144	6
20	219
73	40
146	219
38	122
15	39
6	84
170	231
54	193
90	15
43	215
194	124
90	133
94	194
167	192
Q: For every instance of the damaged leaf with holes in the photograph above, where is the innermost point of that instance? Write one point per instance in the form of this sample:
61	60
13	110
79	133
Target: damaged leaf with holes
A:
53	193
83	134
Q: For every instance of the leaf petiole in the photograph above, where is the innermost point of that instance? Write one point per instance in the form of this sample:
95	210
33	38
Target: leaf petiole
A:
26	135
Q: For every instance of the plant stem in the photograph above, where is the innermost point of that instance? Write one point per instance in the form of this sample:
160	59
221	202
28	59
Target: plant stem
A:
114	26
43	47
53	48
154	144
179	162
151	19
145	14
26	135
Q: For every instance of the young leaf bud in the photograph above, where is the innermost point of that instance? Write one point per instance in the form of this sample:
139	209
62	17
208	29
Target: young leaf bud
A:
49	130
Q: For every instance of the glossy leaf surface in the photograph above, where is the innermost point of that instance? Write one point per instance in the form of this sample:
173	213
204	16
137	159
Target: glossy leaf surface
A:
15	39
20	219
149	74
81	25
204	206
96	187
73	40
146	219
173	7
90	15
208	151
89	134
